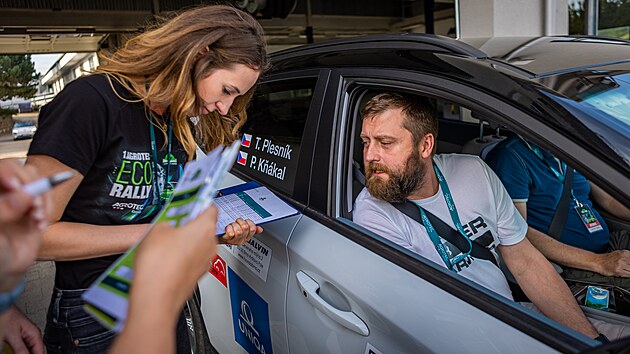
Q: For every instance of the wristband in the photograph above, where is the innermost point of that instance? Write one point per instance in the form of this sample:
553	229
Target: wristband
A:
8	299
602	339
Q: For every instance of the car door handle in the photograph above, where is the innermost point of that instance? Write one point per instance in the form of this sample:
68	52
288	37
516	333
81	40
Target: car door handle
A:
310	290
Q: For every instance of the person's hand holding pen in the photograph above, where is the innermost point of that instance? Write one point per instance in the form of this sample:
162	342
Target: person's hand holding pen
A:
22	218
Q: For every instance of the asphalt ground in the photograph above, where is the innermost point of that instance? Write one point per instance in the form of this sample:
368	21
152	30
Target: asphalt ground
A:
13	149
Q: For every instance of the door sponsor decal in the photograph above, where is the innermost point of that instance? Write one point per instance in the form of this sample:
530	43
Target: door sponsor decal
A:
219	269
250	317
256	256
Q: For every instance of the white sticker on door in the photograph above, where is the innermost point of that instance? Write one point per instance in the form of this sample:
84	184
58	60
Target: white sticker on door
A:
256	256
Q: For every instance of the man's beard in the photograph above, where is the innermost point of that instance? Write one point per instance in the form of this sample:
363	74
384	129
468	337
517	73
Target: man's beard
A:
399	185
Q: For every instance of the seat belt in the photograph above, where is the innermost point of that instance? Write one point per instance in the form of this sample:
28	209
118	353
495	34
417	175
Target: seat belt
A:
446	232
357	174
562	210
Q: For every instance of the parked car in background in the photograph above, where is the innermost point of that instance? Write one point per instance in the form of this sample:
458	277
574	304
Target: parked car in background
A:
24	129
317	282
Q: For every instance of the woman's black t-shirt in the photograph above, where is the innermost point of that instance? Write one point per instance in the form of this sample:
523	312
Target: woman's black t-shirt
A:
105	136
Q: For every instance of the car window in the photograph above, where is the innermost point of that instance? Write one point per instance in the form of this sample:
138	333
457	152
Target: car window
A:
458	127
452	111
272	136
23	124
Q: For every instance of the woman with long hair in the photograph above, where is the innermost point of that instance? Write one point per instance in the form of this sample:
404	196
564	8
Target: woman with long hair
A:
127	131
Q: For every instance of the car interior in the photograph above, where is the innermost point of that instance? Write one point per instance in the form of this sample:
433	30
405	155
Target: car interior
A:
460	131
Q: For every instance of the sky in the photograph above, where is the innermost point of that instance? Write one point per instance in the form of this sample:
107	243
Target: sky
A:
43	62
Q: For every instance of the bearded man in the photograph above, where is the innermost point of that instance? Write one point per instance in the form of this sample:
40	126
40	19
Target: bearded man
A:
399	137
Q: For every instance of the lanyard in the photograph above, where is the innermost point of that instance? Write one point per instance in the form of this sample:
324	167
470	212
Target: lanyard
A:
156	189
433	235
559	173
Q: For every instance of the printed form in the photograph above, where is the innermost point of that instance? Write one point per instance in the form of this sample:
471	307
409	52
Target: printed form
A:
257	204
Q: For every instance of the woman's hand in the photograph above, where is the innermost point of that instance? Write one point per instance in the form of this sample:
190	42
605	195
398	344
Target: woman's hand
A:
239	232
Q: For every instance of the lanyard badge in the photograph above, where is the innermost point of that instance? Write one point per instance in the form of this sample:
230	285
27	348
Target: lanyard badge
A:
588	218
584	211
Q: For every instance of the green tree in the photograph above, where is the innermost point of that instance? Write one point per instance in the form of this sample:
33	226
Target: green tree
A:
17	77
614	15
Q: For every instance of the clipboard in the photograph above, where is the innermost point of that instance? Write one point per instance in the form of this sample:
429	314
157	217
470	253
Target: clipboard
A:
250	201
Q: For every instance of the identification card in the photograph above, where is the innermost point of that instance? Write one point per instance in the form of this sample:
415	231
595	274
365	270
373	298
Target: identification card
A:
588	218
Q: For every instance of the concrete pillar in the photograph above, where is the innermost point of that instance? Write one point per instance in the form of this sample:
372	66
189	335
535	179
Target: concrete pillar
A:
504	18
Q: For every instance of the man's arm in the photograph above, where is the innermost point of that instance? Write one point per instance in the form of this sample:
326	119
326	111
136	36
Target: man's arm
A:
609	203
616	263
532	270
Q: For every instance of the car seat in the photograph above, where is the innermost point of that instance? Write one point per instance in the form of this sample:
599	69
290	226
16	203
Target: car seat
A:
482	144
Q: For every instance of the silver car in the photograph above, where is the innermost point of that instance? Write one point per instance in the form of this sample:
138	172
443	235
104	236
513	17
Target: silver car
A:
317	282
24	129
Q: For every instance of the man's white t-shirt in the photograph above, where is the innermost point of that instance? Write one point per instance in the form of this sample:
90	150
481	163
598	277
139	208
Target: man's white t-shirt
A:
484	207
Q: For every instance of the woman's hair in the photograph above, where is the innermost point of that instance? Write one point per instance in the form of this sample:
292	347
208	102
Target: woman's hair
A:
173	57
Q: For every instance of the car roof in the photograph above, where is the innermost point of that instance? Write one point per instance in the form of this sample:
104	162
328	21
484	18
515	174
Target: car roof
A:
538	75
552	55
532	57
398	40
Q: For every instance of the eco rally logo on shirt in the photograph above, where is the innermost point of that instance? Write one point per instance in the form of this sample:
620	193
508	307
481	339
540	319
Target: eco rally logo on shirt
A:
132	183
134	177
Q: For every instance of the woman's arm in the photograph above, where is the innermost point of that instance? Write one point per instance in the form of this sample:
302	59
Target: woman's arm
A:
65	241
72	241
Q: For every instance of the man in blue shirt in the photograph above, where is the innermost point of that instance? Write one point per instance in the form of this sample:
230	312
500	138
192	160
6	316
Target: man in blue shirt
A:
586	248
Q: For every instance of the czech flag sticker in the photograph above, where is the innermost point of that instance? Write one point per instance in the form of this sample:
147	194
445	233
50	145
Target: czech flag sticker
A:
242	158
246	140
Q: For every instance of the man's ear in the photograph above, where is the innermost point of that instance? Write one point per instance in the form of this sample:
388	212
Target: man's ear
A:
427	144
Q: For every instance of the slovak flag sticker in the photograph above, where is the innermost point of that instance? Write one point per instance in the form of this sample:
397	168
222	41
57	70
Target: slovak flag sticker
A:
246	140
242	158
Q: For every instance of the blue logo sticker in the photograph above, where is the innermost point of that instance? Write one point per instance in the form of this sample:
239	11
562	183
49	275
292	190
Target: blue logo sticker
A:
250	316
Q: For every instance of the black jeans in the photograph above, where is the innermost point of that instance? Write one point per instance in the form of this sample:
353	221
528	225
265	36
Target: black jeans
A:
71	330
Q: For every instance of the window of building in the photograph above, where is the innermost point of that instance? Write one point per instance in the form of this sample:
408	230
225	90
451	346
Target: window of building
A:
611	20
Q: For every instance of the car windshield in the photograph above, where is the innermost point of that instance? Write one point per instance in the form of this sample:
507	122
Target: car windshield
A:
613	98
601	101
23	124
